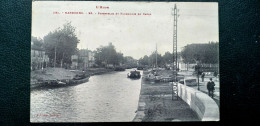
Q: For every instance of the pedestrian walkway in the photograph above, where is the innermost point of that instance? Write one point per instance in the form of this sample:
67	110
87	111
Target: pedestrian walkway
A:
203	85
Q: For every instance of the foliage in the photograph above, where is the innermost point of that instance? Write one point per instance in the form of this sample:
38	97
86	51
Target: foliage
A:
144	60
153	59
38	42
64	40
105	55
167	58
203	53
130	61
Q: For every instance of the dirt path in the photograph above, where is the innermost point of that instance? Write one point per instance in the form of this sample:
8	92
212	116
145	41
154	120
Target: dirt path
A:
156	104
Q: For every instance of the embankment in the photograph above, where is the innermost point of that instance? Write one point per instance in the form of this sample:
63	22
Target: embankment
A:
47	74
205	107
156	104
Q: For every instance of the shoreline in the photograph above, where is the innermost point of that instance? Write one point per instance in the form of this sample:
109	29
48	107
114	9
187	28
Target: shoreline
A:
141	107
156	104
68	78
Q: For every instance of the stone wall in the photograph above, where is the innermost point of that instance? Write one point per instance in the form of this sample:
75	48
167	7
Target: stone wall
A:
201	103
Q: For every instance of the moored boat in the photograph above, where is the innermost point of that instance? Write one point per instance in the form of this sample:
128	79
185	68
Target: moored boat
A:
60	83
140	68
134	74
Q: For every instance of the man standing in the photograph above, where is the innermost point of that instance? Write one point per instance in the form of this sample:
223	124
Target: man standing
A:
210	87
202	76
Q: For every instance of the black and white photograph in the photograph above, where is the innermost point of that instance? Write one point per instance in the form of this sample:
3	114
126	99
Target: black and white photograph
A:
97	61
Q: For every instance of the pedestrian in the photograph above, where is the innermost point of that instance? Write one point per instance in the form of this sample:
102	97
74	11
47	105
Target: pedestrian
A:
202	76
210	87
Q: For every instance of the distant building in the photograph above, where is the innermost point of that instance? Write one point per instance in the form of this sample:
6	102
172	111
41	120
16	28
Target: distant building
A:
83	60
39	59
74	62
91	58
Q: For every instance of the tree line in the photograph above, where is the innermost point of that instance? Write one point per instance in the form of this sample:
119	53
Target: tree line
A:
161	60
193	53
61	44
107	55
201	53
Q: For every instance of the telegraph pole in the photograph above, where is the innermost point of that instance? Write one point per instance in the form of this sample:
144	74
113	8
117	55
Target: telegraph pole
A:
175	86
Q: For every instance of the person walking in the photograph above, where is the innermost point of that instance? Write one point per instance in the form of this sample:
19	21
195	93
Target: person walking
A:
210	87
202	76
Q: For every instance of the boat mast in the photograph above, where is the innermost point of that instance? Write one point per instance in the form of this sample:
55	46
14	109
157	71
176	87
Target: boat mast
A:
156	57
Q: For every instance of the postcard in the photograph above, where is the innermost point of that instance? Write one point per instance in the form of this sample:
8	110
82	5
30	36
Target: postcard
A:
96	61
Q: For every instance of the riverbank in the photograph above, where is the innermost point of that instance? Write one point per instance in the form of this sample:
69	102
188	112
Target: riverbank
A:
47	74
98	71
156	104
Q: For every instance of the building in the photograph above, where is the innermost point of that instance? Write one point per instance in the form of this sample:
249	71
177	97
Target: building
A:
87	57
91	59
74	62
39	59
83	60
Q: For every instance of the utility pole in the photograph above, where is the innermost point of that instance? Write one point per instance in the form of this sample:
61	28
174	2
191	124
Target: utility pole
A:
175	85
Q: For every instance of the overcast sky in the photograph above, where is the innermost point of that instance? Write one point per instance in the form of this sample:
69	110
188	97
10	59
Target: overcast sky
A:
132	35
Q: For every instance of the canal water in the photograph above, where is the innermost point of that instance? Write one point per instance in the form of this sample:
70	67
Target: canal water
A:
110	97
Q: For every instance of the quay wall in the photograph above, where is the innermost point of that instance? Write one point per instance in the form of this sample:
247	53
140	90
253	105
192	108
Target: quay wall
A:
201	103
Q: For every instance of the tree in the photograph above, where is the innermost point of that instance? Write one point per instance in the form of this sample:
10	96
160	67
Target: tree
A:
37	41
130	61
62	41
144	60
111	54
99	58
203	53
152	59
168	58
161	60
107	55
120	58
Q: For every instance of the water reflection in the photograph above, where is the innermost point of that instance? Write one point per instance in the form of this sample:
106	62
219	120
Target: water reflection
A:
104	98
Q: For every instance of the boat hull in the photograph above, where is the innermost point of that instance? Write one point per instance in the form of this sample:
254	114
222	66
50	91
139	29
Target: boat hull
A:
61	83
134	75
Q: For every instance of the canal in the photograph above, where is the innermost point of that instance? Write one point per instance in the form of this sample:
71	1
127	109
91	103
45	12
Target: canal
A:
111	97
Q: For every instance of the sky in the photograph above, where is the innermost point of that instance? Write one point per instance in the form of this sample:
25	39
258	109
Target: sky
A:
132	35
